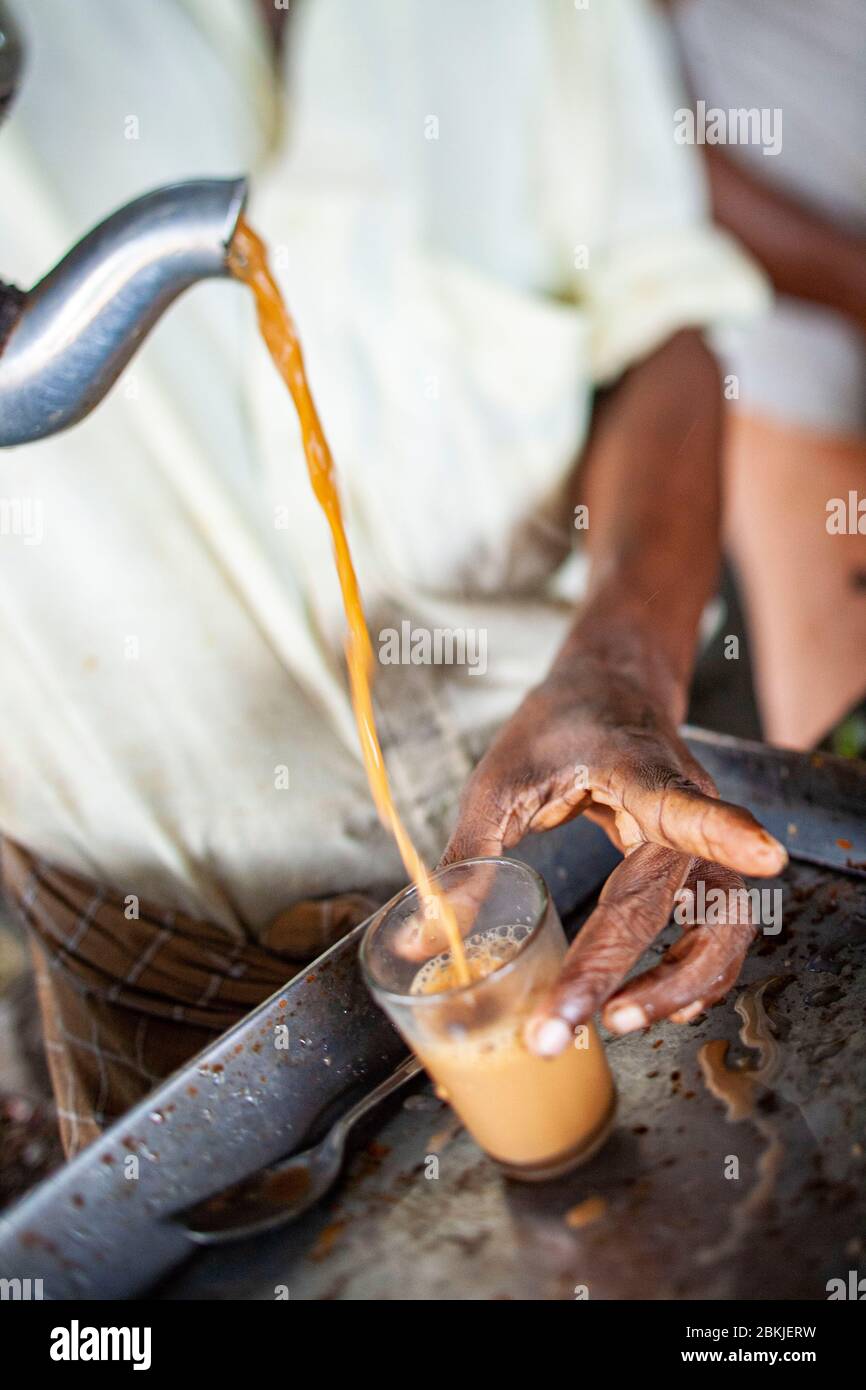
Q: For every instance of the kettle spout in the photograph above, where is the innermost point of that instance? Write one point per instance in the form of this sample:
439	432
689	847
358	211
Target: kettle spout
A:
64	343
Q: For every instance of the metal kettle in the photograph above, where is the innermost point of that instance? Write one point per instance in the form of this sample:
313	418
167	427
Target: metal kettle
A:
65	341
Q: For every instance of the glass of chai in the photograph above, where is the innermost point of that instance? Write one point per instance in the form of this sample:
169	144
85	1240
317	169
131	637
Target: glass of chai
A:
536	1116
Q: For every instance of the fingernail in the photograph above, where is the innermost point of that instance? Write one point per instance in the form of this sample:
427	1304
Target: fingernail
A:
773	851
548	1036
627	1019
689	1012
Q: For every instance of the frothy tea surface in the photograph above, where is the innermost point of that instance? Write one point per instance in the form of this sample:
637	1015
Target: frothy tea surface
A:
483	953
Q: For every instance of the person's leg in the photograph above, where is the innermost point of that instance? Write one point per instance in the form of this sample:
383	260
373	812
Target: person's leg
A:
126	999
804	588
101	1058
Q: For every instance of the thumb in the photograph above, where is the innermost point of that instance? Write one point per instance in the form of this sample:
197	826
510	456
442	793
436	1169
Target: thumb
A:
488	821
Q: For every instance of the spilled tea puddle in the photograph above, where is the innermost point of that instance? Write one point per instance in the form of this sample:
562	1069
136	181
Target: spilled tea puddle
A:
738	1088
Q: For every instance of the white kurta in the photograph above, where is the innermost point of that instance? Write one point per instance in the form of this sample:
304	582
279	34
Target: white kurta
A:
478	213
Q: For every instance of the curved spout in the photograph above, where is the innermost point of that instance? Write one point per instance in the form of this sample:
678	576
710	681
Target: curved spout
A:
11	56
74	332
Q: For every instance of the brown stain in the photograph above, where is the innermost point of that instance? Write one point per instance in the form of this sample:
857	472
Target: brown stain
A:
288	1187
734	1088
757	1030
327	1239
443	1137
738	1088
585	1213
34	1240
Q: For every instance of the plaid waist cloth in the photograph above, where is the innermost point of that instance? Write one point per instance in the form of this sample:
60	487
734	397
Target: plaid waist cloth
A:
128	992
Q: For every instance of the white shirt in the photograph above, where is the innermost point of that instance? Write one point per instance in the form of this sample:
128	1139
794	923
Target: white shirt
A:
478	213
803	364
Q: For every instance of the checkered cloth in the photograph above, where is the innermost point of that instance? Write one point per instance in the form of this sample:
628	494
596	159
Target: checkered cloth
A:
125	999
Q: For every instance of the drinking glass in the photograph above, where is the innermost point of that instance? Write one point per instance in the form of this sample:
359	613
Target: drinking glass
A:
536	1116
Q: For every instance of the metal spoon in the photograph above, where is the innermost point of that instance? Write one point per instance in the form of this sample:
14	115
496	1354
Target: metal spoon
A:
283	1191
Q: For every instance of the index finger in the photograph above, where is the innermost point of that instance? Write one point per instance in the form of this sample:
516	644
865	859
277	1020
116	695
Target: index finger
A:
684	818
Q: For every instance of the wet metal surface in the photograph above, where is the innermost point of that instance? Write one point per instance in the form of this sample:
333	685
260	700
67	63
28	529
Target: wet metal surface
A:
99	1227
669	1224
812	802
664	1227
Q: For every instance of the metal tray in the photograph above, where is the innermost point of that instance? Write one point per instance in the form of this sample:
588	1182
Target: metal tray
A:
671	1223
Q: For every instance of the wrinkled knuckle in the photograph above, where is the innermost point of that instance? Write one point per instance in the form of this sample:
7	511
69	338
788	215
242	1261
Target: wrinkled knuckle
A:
659	776
697	779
